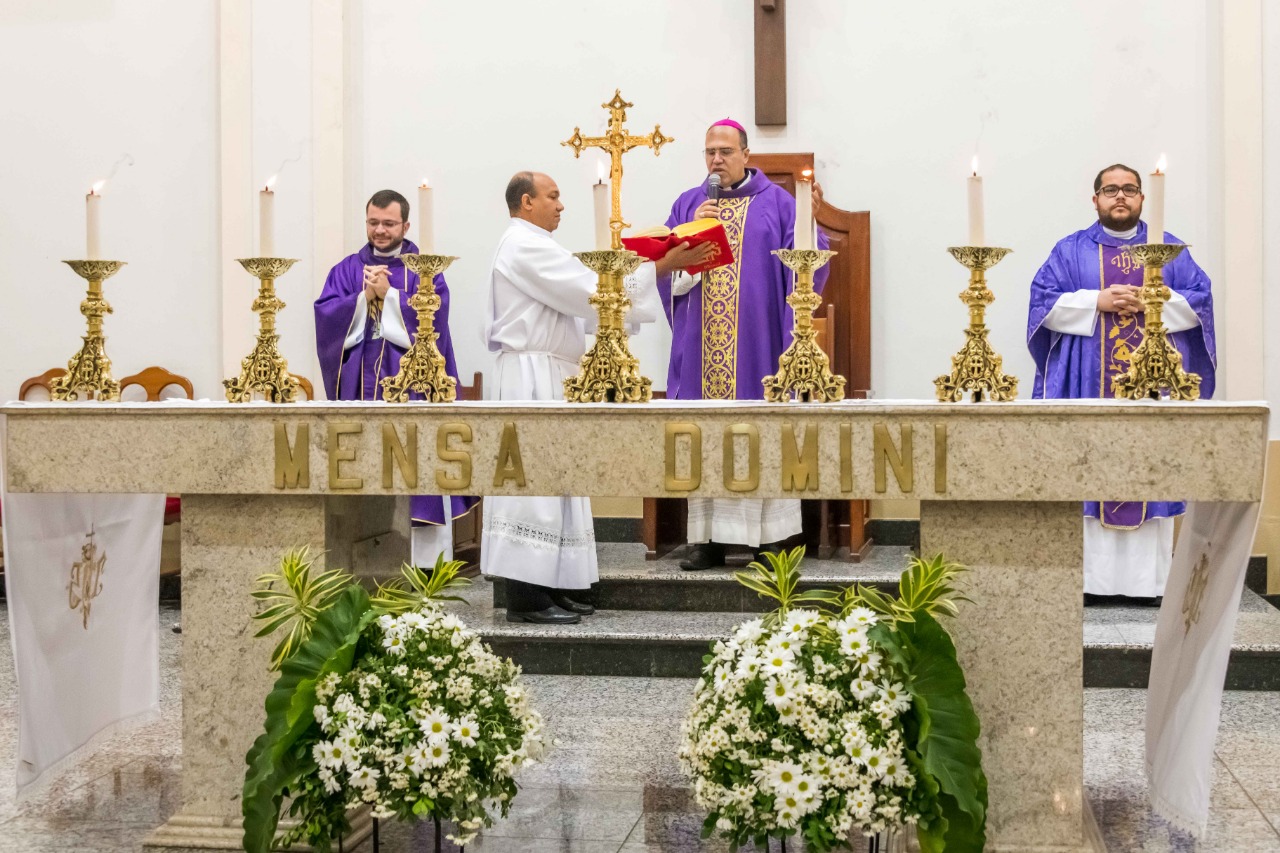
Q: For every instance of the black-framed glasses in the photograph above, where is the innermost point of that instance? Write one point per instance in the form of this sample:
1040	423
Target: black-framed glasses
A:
385	223
1129	190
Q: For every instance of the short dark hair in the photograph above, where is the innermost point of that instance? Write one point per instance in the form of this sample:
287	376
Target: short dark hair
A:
384	198
520	185
742	135
1097	182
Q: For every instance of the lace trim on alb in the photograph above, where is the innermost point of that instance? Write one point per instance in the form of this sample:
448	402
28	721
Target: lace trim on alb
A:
535	536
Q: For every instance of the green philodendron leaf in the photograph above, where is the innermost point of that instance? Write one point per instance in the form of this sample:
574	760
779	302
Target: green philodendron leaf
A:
948	729
272	765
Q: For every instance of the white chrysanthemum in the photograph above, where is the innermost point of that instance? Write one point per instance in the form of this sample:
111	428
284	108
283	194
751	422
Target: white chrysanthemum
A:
896	695
777	661
781	691
749	633
321	713
869	663
434	723
748	666
386	621
330	781
437	754
875	762
330	753
465	731
781	776
896	773
862	689
863	616
365	778
393	642
344	704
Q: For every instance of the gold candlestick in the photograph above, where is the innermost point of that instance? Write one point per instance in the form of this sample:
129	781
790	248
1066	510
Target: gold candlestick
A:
264	370
609	372
89	370
422	369
1156	364
804	371
977	367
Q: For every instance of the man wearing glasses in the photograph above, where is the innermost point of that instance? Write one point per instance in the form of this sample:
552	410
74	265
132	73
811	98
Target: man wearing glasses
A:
1086	320
364	326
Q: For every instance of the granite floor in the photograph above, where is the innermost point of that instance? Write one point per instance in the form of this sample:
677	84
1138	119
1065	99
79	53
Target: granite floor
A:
611	782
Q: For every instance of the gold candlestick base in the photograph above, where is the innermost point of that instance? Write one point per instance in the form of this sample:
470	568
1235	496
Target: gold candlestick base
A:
264	370
609	373
1156	364
89	370
422	369
804	371
977	368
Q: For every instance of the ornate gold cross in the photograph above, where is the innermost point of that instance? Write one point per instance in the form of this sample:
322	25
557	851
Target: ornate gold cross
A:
617	142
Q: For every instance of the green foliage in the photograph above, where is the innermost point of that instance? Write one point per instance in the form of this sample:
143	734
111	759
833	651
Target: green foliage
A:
779	580
946	728
927	586
272	766
294	597
415	586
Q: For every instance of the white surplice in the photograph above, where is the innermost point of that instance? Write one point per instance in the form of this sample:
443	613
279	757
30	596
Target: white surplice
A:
1122	562
538	321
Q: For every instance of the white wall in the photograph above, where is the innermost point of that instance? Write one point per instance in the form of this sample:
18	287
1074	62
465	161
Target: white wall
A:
85	83
1271	207
893	99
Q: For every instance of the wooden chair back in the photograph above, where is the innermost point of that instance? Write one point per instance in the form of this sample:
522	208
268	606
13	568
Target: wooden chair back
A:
474	391
44	380
304	385
154	380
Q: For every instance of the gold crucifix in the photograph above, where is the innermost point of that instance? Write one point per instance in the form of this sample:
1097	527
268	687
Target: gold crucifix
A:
617	142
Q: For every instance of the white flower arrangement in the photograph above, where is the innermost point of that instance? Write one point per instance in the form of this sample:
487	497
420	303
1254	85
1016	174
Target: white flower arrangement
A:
803	723
423	721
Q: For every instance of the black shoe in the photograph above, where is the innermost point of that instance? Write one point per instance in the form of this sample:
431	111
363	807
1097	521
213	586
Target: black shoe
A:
550	616
768	548
708	555
564	602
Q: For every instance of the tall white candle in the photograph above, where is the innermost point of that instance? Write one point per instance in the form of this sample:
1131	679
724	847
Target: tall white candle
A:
977	225
267	220
93	222
426	220
600	200
804	210
1155	203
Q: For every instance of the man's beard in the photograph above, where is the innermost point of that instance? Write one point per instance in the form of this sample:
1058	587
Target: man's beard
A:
1120	222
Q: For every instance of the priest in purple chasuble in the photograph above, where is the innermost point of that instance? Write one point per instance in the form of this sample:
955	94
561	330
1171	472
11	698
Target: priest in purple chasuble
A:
364	326
1086	319
730	324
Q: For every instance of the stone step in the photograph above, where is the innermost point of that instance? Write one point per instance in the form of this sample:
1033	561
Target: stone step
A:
630	582
671	643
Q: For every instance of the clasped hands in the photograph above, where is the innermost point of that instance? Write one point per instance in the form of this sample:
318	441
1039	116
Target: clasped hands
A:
376	282
1121	299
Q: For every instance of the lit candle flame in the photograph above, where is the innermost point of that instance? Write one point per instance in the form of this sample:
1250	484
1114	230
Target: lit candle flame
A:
270	183
424	183
974	165
806	174
1161	165
600	172
97	188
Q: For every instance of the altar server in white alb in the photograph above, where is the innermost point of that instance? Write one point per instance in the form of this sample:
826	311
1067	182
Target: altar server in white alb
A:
538	321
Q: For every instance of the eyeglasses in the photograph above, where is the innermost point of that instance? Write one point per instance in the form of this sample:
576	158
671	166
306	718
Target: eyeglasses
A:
1129	190
385	223
725	153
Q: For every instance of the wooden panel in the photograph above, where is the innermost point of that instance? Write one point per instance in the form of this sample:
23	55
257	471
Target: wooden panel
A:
771	62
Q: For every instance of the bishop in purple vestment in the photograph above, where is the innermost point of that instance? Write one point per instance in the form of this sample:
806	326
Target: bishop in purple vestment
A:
730	325
364	326
1086	319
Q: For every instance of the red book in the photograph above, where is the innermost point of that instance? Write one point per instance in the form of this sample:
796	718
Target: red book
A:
654	243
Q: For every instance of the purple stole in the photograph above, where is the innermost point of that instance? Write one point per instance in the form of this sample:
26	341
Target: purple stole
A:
1121	336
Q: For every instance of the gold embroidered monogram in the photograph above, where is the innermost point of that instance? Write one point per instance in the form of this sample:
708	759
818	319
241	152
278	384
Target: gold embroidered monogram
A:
1193	599
720	309
86	578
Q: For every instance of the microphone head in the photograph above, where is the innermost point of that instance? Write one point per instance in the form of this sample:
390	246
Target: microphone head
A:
713	187
714	179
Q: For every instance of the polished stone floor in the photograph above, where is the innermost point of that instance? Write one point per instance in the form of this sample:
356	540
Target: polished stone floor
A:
611	783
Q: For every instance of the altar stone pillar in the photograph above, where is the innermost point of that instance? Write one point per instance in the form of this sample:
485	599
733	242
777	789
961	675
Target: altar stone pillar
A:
1021	645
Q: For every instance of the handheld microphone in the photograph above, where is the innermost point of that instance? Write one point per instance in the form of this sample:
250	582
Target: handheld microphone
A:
713	187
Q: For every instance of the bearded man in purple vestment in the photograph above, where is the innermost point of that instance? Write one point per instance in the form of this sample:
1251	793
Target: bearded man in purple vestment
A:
364	326
729	326
1086	320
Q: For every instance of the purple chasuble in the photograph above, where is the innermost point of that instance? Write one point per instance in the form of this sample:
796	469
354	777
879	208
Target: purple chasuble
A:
356	373
728	332
1078	367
